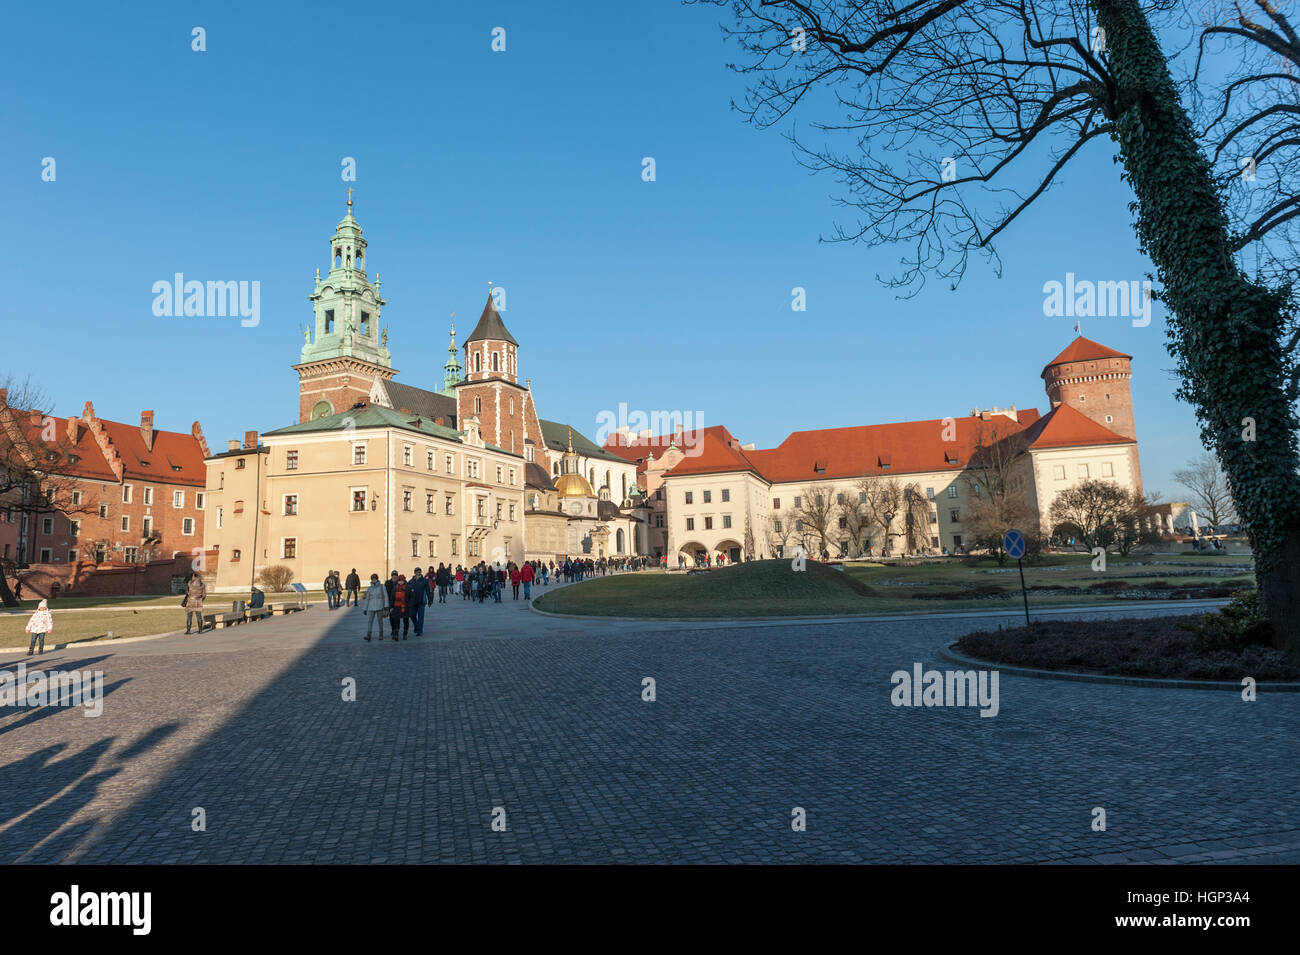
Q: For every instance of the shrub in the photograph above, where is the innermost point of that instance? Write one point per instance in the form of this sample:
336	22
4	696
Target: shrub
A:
275	578
1237	626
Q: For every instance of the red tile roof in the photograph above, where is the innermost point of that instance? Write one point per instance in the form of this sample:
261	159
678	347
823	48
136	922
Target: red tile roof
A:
174	459
712	451
77	457
636	449
907	447
1084	349
1067	427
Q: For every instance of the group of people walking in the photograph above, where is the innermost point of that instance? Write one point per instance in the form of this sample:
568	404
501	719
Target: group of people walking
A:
402	601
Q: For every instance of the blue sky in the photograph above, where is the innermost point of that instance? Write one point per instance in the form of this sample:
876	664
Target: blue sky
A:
522	168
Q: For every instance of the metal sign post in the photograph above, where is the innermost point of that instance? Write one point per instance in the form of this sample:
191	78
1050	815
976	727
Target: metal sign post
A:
1013	542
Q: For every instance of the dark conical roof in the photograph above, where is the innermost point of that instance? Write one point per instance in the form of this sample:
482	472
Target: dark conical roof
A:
490	327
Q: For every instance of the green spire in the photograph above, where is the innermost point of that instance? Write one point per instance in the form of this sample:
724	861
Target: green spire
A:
451	371
347	306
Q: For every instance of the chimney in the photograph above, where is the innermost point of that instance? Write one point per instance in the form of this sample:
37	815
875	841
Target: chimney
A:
4	397
232	445
88	412
72	430
146	428
250	440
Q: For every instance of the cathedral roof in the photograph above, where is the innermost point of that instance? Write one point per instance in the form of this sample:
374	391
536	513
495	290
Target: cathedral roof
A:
490	327
431	404
555	436
535	476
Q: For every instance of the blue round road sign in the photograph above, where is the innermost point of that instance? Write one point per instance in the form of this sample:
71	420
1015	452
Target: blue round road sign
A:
1013	542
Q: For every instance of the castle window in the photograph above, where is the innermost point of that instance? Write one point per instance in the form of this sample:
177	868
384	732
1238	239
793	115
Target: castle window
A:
291	460
478	402
478	362
359	454
1083	472
365	321
338	257
329	321
496	362
1107	469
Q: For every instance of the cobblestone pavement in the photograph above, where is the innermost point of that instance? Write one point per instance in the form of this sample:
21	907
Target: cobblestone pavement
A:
499	707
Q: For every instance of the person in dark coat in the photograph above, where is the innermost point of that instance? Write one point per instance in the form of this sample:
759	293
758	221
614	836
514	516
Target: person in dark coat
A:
353	583
417	598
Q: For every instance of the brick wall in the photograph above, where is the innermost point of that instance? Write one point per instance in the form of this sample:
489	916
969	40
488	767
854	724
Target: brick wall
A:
103	580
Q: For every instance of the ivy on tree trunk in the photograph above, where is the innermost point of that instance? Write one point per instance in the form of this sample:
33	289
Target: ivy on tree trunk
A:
1224	330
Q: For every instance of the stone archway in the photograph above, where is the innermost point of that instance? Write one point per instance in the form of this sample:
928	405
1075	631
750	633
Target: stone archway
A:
732	549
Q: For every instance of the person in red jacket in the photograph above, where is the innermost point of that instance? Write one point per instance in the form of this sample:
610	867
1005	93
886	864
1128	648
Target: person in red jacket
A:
514	580
398	613
527	575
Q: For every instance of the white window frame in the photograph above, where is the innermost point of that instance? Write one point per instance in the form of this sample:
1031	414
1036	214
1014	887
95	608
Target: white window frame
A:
178	499
189	521
128	491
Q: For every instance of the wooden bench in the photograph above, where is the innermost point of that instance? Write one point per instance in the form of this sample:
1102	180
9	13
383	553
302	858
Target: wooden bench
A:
222	620
257	613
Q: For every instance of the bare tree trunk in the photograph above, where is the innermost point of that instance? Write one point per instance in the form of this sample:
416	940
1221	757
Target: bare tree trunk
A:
1224	330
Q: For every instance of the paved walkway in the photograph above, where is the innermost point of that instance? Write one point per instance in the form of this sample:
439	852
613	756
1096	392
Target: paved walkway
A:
543	717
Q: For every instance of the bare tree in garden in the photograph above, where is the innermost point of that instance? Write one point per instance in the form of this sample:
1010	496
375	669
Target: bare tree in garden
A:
956	115
916	517
35	458
854	516
1252	127
883	506
1091	511
816	510
998	500
1209	489
779	532
1133	521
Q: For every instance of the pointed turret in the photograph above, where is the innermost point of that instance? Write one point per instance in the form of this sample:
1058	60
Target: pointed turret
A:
451	371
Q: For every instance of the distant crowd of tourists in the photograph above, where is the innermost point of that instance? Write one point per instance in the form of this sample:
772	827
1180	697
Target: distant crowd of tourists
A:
401	601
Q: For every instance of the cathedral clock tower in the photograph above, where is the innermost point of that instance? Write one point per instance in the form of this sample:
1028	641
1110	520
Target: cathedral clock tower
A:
344	353
490	390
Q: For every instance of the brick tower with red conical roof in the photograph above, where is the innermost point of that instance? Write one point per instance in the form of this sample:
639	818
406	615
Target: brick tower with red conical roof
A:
1094	379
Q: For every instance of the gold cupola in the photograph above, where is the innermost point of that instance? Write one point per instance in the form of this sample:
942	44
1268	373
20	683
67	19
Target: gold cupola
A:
571	483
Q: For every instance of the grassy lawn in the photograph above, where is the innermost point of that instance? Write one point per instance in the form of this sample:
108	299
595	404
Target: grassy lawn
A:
89	626
771	588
